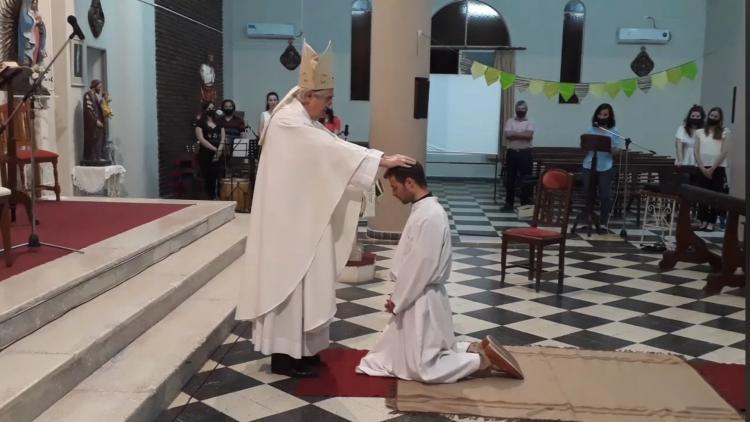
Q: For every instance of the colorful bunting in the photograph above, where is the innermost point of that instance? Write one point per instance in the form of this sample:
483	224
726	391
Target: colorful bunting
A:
491	76
628	86
478	69
566	90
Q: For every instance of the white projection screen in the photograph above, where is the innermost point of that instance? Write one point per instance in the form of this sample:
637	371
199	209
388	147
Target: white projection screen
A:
463	115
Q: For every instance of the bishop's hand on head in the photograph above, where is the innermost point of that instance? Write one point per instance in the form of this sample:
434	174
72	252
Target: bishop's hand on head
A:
396	160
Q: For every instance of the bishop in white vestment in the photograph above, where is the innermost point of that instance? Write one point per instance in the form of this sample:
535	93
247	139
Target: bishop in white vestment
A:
418	343
307	200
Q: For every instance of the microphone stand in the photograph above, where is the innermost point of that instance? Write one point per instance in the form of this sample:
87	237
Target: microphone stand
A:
628	141
34	237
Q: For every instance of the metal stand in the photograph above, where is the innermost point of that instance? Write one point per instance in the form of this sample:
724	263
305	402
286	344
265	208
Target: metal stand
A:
34	241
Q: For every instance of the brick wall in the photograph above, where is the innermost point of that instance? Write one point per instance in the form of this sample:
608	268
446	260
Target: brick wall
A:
181	47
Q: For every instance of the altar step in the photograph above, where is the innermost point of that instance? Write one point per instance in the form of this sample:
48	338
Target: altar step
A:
99	348
35	297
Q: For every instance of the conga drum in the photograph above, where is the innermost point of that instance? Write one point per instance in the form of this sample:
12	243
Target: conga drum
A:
237	190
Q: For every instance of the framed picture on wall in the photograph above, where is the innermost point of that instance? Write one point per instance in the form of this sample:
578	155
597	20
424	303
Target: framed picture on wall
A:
76	63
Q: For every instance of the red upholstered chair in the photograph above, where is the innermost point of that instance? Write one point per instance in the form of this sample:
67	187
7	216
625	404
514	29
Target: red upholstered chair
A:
552	209
24	132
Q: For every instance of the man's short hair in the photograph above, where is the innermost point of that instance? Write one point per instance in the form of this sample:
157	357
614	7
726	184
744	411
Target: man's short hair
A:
520	103
415	172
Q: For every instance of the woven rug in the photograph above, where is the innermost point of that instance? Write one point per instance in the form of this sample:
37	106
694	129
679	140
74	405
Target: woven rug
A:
577	385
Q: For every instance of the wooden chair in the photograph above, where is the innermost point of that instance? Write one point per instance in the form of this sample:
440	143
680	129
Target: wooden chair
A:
553	202
5	223
25	146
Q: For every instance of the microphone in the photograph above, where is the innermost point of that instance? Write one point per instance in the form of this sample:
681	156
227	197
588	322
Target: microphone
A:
346	131
76	29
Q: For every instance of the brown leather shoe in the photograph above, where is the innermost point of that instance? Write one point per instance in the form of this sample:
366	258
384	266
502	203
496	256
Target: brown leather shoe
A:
500	358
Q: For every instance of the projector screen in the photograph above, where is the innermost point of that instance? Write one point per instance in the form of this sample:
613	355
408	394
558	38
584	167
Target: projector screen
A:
463	115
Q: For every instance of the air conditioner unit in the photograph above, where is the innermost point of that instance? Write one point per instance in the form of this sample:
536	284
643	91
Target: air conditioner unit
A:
643	36
270	31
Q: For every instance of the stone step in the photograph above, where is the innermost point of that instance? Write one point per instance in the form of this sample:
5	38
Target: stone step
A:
144	378
42	367
35	297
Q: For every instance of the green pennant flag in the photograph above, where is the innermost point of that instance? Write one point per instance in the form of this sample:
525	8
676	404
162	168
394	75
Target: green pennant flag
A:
674	75
477	70
689	70
507	79
536	86
612	88
628	86
659	80
491	76
567	90
598	89
551	89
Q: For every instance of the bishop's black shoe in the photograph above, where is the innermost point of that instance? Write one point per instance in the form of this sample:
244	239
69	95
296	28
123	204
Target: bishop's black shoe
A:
311	360
286	365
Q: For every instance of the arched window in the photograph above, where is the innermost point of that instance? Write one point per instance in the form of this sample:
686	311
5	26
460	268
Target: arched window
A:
572	45
360	58
465	25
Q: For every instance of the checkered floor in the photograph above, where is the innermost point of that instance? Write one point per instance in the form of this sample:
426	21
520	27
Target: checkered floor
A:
612	301
615	298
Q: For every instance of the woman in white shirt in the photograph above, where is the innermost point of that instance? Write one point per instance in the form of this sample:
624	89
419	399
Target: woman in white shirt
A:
685	136
272	99
710	158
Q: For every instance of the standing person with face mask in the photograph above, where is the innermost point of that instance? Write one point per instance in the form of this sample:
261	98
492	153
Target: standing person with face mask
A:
519	131
604	118
685	136
210	135
233	125
272	100
710	157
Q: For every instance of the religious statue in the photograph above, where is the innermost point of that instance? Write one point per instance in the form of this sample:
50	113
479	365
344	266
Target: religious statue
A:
96	18
208	76
94	133
32	34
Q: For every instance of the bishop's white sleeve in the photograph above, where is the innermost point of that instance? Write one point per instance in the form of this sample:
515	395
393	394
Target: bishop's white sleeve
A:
419	266
365	174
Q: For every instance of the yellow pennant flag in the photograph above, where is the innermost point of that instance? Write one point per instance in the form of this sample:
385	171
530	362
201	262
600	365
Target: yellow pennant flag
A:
659	80
551	89
491	75
535	86
477	70
674	75
612	88
598	89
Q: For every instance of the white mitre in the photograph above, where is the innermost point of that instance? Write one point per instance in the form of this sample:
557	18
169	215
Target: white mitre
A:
316	70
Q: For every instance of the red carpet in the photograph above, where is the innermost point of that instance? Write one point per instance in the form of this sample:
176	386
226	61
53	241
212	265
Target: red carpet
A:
338	379
75	225
727	379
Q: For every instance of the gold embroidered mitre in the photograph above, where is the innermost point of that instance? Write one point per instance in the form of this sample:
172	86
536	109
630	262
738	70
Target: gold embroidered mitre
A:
316	70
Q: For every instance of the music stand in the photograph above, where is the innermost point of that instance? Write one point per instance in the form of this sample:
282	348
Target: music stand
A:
595	144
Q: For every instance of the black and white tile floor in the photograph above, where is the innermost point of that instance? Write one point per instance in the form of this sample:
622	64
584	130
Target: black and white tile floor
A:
615	298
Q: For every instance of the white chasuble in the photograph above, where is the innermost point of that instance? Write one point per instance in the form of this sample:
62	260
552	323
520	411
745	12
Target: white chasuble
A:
418	343
302	225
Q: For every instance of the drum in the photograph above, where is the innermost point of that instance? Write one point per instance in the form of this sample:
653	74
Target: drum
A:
237	190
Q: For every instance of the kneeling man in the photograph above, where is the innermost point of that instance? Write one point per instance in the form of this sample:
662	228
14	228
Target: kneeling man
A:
418	343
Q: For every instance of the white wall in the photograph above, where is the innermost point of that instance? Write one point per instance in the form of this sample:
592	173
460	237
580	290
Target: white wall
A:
129	40
725	69
649	118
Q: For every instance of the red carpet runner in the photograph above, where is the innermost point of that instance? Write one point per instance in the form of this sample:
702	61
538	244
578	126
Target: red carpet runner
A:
75	225
727	379
338	379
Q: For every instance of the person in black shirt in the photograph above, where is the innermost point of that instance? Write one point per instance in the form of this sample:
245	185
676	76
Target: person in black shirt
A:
211	140
233	125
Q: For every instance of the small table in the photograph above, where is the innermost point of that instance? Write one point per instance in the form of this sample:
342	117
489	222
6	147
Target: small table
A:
104	180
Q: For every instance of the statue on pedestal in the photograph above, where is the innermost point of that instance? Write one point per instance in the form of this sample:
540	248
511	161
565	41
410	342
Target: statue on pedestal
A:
94	131
208	76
